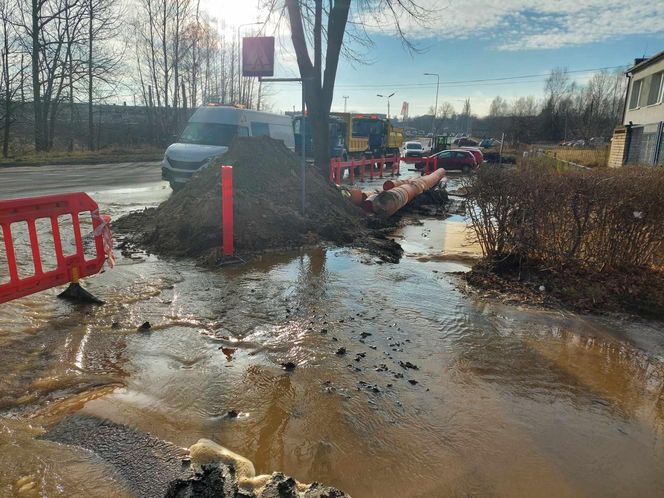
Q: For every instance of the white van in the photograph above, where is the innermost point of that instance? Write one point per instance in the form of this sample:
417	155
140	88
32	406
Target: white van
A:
209	133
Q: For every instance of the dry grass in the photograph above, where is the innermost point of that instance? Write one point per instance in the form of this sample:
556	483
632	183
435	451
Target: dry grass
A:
110	155
590	157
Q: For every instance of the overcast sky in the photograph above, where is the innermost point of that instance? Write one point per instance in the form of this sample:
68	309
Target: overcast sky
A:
470	40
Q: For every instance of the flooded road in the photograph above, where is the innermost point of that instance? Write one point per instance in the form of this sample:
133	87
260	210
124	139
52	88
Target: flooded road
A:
435	394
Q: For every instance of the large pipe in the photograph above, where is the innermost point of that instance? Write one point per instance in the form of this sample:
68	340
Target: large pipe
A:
389	202
390	184
367	204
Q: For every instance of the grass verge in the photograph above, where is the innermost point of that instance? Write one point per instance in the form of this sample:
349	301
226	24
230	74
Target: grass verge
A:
113	155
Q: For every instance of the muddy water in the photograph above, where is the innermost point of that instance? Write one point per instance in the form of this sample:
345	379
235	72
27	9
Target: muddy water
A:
504	401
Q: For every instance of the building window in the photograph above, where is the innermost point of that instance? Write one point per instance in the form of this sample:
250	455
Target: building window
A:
636	92
642	145
654	91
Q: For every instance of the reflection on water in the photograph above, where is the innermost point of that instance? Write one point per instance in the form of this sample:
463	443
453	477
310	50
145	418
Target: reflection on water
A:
436	395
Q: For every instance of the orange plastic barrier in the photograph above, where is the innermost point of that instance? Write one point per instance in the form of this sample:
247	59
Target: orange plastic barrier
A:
69	268
227	210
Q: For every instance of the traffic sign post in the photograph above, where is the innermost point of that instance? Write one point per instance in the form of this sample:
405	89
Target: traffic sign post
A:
258	60
258	56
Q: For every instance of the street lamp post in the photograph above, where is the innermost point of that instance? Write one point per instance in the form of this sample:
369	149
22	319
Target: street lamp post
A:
435	108
388	101
345	97
239	58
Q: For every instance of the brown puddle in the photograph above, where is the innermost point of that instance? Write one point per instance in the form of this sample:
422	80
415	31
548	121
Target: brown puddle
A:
507	402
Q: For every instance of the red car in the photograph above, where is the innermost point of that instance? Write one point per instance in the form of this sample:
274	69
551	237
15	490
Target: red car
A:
479	157
454	160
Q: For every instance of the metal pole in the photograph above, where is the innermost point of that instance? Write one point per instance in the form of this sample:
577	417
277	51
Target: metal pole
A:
500	154
388	101
304	130
345	102
304	148
435	107
239	66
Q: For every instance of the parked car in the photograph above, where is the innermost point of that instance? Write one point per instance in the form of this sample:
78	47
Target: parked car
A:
413	149
469	142
454	160
210	131
489	142
477	153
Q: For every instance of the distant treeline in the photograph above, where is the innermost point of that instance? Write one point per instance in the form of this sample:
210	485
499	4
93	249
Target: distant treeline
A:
62	59
567	111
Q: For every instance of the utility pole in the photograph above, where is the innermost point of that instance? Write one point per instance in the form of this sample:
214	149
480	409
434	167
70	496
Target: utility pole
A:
435	107
345	97
388	101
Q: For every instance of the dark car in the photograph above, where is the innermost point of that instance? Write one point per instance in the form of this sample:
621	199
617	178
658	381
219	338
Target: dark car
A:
454	160
465	142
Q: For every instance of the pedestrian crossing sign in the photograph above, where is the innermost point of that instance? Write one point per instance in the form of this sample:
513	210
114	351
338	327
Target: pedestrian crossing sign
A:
258	56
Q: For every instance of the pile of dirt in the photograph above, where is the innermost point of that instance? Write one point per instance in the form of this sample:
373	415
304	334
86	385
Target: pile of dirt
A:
266	204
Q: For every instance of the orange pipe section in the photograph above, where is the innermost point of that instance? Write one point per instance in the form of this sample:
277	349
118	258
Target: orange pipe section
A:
367	204
390	184
389	202
356	196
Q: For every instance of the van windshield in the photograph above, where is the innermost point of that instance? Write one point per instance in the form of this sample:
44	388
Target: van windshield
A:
211	133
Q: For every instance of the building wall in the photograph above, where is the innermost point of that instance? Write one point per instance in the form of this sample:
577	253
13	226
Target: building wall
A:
645	114
617	153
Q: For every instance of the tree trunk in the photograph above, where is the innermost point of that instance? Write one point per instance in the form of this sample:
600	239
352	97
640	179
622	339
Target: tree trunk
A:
40	130
91	125
321	137
319	93
8	93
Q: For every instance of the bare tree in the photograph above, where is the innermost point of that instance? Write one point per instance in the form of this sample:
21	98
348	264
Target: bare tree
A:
104	53
318	28
11	69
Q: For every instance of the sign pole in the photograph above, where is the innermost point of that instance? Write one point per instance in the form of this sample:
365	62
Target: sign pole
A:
304	149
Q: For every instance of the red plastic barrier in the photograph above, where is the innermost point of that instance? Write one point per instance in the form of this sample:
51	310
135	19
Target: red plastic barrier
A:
337	168
227	210
69	268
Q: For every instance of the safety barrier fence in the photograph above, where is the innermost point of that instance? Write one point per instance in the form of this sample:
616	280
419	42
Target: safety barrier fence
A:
376	168
68	268
430	163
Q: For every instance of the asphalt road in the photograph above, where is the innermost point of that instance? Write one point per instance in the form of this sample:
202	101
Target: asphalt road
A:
27	181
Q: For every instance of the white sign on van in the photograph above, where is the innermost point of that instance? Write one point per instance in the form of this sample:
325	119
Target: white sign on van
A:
258	56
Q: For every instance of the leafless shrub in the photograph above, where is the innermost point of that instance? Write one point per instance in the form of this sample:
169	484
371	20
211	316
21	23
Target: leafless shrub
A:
595	220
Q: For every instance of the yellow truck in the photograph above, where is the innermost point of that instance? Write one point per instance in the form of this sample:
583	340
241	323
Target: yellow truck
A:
370	135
